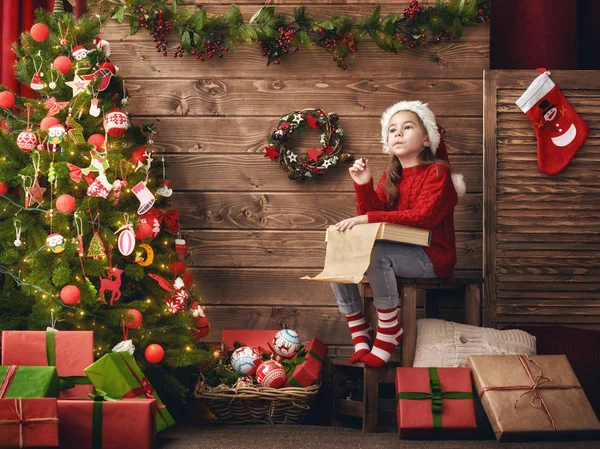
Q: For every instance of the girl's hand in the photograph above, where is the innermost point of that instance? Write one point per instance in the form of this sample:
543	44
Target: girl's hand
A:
349	223
360	171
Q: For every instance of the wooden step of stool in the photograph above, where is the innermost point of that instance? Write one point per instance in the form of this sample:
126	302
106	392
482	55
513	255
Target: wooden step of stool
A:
413	291
367	407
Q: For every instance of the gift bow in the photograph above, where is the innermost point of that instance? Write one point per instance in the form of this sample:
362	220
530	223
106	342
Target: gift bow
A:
54	107
291	364
76	174
21	421
533	388
144	389
436	396
100	395
170	217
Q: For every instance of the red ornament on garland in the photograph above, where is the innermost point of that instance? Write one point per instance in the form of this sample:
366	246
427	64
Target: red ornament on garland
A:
70	295
133	319
7	99
116	123
138	155
48	122
39	32
3	188
97	140
154	353
63	64
65	203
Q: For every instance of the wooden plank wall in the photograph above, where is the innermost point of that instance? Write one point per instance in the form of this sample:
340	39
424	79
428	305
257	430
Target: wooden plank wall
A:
252	232
542	238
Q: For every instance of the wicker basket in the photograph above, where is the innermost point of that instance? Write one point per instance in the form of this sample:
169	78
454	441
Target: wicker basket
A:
249	404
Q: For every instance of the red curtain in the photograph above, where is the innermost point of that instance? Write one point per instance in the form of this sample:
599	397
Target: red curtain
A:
17	16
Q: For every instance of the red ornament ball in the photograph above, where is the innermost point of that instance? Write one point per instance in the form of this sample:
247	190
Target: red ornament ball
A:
70	295
97	140
65	203
154	353
270	373
39	32
7	99
145	229
116	123
48	122
3	188
134	319
138	155
63	64
26	140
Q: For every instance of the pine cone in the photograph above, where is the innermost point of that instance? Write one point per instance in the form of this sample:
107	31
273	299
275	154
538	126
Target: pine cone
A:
333	117
293	175
346	158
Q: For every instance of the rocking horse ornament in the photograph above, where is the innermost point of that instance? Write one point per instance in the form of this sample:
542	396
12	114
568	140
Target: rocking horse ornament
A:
111	283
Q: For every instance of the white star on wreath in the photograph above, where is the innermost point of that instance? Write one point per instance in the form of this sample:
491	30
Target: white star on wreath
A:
327	163
297	119
334	160
323	139
292	157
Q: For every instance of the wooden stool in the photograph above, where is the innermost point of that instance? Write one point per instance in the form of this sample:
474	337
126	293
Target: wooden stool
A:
365	407
413	291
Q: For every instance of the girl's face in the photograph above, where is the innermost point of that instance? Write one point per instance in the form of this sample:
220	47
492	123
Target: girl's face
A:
407	137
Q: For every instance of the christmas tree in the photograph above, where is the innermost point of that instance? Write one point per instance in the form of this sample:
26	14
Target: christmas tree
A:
87	241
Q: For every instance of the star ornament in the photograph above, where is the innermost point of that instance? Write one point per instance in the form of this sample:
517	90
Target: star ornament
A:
297	119
271	152
313	154
292	157
36	194
312	122
78	84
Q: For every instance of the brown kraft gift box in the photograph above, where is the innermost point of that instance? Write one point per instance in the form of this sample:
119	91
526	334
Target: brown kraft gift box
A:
533	397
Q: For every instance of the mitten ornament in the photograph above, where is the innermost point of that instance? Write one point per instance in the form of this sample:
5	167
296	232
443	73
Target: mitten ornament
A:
559	130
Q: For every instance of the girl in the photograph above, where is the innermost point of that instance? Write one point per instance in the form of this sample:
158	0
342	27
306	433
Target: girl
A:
417	190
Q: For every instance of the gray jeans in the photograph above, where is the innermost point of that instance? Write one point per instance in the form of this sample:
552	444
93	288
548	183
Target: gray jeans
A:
388	261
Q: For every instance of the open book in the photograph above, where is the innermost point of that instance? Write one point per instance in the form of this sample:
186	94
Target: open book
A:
348	253
398	233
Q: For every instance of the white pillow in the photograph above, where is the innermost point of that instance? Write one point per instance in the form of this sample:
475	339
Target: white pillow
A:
446	344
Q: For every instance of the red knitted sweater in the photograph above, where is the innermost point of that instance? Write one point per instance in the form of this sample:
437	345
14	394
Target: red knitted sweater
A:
427	200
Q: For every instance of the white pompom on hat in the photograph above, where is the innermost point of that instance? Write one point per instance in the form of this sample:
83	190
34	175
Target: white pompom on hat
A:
437	142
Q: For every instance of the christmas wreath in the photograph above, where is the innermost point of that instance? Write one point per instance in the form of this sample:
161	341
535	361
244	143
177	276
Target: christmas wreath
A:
320	158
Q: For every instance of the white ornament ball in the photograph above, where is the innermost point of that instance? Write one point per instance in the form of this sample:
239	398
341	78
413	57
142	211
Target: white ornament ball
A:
116	123
286	343
242	360
270	374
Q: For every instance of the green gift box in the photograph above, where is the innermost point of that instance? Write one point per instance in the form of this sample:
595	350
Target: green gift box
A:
118	375
29	382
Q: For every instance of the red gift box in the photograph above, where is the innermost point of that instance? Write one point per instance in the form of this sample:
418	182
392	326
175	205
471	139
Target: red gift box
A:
257	339
73	352
434	402
127	423
28	423
306	373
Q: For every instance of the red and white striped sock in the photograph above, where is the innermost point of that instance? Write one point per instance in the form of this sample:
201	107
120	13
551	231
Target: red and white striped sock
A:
362	335
389	335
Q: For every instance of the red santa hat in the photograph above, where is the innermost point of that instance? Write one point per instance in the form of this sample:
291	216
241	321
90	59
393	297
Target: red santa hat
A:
438	147
79	51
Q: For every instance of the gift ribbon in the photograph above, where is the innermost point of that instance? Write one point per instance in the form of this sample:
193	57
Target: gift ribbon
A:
436	396
537	383
66	382
302	356
170	217
21	421
8	378
144	389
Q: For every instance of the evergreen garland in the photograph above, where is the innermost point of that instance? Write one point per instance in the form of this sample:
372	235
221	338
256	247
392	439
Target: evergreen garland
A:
278	34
